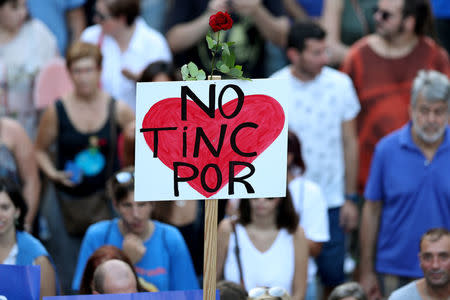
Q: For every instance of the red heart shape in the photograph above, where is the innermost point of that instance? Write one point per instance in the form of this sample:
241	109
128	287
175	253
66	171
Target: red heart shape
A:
262	110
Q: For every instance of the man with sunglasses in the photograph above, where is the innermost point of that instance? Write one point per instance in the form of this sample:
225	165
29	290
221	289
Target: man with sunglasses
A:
383	66
408	190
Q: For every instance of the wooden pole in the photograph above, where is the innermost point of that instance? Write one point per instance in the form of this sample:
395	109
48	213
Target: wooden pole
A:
210	244
210	250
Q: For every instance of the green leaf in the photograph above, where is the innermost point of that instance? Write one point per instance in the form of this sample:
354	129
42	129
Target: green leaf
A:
239	67
201	75
230	44
225	49
236	73
193	69
224	69
229	60
184	70
191	79
211	43
219	63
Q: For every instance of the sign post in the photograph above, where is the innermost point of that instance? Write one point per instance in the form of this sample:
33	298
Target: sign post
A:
209	139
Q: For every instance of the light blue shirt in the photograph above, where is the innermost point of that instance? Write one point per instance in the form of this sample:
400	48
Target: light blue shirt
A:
166	263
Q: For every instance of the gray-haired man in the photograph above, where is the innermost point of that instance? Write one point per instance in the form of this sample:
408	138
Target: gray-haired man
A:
408	191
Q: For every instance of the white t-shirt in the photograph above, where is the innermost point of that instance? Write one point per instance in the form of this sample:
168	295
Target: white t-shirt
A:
146	46
312	208
274	267
316	112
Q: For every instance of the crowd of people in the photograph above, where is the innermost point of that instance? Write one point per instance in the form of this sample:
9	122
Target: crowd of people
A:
368	164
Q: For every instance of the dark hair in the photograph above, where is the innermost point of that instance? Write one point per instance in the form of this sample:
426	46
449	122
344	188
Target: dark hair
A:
287	217
159	67
79	50
12	189
295	147
434	234
302	30
128	8
119	191
101	255
231	291
420	10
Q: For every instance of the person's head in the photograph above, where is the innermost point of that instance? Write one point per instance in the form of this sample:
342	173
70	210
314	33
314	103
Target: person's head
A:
265	293
306	48
393	18
294	157
84	62
434	257
283	208
13	207
13	14
231	291
159	71
134	215
114	277
113	14
430	105
99	256
348	291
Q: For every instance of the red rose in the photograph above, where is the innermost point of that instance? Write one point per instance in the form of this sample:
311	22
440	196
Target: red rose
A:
220	21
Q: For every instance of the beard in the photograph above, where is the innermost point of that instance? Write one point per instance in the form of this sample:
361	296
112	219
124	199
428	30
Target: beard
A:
427	137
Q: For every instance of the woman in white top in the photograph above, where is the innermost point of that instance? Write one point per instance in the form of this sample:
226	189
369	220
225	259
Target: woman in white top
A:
310	204
273	250
25	46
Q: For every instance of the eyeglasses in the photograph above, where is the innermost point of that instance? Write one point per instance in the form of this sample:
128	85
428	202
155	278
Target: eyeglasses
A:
124	177
101	17
384	14
261	291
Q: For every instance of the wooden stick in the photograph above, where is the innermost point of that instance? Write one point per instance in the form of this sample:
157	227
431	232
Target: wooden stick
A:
210	250
210	244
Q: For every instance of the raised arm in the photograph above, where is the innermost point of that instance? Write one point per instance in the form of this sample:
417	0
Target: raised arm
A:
184	35
272	28
331	21
295	10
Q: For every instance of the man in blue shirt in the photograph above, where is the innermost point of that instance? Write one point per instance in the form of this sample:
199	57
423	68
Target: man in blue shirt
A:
408	191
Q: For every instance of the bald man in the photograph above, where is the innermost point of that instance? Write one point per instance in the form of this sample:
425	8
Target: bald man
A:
114	277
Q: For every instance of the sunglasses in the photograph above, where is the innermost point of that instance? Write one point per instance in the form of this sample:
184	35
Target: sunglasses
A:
261	291
384	14
101	17
124	177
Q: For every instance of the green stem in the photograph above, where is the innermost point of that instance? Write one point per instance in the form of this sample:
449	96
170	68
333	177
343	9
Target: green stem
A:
214	55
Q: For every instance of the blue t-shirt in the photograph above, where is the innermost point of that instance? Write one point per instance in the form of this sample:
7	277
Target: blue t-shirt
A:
53	14
29	248
313	8
415	195
441	9
166	265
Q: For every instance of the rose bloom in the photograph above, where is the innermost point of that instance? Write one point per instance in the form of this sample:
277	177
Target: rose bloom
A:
220	21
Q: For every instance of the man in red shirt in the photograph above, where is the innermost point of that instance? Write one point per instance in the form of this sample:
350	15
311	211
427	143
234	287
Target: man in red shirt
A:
383	66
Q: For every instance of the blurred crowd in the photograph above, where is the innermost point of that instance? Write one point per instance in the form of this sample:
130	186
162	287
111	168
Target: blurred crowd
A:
367	209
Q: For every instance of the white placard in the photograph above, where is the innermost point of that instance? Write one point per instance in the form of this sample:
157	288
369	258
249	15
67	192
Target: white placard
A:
211	139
